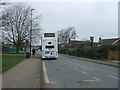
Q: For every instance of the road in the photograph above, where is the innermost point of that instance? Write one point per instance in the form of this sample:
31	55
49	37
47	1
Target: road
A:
66	72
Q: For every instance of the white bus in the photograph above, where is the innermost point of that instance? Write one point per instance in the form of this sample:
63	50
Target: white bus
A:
49	44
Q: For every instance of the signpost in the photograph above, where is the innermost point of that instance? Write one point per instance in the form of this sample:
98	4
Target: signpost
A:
91	40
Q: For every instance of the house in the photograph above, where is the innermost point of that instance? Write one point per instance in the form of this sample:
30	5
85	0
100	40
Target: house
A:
112	54
111	41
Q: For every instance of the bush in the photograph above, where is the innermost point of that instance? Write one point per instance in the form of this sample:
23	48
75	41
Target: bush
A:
100	52
114	47
97	52
84	51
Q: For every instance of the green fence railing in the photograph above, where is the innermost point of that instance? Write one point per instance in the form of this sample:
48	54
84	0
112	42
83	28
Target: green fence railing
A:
8	49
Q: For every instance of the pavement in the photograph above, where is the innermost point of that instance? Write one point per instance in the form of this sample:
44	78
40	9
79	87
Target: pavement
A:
0	81
105	62
26	74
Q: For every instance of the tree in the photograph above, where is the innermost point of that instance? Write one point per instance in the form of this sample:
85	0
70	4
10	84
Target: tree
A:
65	35
16	20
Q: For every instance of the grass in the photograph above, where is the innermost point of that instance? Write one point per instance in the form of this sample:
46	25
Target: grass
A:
10	61
13	52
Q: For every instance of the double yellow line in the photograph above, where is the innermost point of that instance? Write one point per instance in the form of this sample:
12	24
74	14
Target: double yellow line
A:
45	73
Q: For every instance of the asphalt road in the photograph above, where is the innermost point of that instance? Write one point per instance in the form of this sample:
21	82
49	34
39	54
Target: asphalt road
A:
66	72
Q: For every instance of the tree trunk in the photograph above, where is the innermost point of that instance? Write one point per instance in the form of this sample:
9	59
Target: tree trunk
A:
17	49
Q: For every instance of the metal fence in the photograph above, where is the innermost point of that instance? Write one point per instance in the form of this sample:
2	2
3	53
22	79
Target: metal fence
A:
8	49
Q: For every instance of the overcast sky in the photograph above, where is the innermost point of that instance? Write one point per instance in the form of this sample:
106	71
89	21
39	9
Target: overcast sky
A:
89	18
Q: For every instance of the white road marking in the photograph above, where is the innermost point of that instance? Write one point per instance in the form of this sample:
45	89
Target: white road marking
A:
113	77
86	67
80	66
97	79
84	72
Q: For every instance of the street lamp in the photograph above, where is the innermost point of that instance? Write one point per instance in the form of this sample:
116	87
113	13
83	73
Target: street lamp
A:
31	31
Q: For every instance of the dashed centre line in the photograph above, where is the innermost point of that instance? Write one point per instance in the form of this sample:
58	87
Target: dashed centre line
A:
84	72
80	66
86	68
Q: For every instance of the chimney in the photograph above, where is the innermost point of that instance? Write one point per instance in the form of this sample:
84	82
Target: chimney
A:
99	39
99	42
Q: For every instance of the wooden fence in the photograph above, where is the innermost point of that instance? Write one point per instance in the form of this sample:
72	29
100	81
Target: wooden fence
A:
113	55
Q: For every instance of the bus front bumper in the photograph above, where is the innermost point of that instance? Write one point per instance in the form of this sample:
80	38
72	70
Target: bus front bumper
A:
50	57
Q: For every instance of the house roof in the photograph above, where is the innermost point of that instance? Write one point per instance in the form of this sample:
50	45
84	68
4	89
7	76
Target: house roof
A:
111	41
76	42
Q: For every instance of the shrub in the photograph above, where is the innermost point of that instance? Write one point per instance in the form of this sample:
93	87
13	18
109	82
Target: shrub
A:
97	52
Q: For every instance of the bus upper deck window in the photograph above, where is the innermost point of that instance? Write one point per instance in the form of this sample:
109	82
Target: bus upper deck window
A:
49	35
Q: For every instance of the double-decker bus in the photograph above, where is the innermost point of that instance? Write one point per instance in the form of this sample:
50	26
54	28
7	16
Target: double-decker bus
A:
49	44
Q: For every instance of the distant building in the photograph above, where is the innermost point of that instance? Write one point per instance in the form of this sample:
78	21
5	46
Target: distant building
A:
36	46
78	43
75	43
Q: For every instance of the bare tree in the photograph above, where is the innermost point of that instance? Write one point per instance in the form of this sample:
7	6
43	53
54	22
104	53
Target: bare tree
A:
16	21
65	35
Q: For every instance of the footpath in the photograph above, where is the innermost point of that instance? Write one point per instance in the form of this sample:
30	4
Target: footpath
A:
26	74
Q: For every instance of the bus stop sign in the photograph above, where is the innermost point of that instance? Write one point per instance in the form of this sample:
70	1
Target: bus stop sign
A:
91	38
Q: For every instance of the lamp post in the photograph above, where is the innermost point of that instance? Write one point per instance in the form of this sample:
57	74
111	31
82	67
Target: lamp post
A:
31	31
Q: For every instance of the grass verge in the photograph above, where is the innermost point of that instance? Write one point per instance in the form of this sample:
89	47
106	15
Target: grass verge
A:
10	61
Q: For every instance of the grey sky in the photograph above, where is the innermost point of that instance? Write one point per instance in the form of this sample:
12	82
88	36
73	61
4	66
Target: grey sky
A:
88	18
